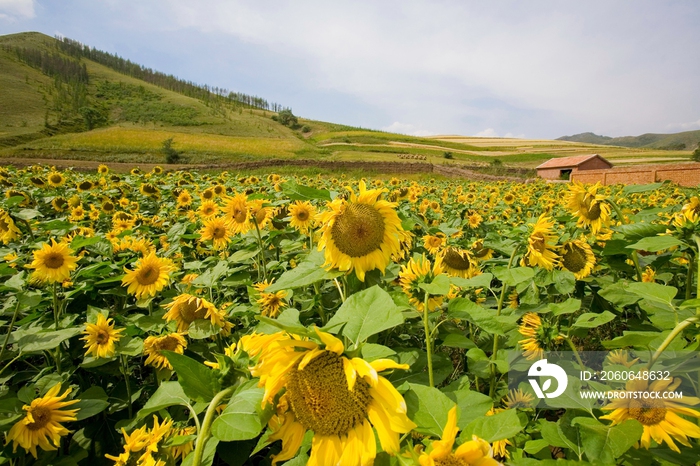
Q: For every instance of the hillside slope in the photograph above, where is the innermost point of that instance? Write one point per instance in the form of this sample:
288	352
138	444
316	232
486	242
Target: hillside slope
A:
687	140
63	100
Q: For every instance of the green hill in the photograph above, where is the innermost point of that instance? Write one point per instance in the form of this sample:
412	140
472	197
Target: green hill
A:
64	103
687	140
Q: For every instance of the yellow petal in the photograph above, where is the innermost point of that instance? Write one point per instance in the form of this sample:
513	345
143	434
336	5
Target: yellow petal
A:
332	343
384	364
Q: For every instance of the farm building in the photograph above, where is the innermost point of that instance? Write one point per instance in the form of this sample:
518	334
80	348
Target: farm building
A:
562	167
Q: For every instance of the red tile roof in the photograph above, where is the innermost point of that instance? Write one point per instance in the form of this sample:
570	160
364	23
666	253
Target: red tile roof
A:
566	162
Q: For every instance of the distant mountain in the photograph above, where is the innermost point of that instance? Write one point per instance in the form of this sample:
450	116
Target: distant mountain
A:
687	140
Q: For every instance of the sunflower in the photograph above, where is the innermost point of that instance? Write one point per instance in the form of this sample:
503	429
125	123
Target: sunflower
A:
457	262
100	337
621	357
361	233
157	170
649	275
8	229
42	425
337	398
659	416
59	204
539	335
54	262
123	221
150	190
186	308
208	209
150	276
85	185
152	347
577	257
540	250
270	303
260	213
415	273
56	179
499	446
144	443
473	452
474	220
302	214
433	243
592	209
103	169
184	199
108	207
218	230
480	252
518	399
182	450
238	212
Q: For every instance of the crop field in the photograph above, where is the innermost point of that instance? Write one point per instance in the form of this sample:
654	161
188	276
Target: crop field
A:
160	318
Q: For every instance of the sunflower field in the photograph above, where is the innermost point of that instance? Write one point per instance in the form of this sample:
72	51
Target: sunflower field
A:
181	318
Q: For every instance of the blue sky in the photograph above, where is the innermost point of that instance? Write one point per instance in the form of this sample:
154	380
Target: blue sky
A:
535	69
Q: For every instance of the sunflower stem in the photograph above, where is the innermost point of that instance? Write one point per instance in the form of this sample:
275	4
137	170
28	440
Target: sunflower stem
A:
321	311
428	338
340	290
504	288
203	433
574	349
262	250
671	336
689	277
29	228
125	373
9	330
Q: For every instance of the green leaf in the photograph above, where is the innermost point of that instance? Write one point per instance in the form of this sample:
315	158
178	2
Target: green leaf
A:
535	446
457	340
656	243
28	214
46	340
88	408
641	188
515	275
243	256
463	308
16	282
197	380
618	294
569	306
202	328
366	313
241	418
634	339
298	192
211	276
499	426
428	408
471	404
653	292
592	319
81	242
130	346
439	286
637	231
480	281
553	433
168	394
606	443
207	455
373	351
306	273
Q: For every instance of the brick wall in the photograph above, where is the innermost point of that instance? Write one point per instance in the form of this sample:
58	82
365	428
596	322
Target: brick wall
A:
684	174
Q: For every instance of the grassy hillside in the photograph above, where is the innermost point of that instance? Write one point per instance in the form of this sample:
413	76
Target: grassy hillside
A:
687	140
58	104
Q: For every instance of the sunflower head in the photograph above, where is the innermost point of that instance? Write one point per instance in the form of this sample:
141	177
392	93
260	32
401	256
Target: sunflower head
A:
100	337
577	257
412	275
54	262
150	276
457	262
153	348
361	233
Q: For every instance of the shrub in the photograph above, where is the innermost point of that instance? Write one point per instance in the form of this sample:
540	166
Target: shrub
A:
448	155
171	155
306	129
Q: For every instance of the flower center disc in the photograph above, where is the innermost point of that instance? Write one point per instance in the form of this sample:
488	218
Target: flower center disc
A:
53	260
574	259
41	417
168	343
190	311
148	275
359	230
320	398
648	412
302	215
218	232
456	261
593	211
450	460
102	337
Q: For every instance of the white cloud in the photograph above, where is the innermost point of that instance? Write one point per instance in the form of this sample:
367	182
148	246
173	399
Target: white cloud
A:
406	128
436	63
16	9
487	133
686	126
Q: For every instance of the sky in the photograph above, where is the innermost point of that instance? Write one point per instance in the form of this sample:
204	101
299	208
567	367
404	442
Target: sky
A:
503	68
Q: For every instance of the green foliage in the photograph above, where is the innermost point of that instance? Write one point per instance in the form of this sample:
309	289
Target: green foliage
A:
448	155
171	155
696	154
287	118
